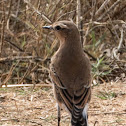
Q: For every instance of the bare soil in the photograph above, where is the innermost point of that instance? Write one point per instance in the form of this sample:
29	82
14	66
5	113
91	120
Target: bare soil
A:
37	107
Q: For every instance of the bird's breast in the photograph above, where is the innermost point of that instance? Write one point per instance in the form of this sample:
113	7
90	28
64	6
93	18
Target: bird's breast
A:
68	70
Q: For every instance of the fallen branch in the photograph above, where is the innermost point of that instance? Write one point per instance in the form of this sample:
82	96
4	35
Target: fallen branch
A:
106	113
8	59
26	85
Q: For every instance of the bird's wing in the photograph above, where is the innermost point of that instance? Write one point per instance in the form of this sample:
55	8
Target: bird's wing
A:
83	85
79	111
82	96
79	97
59	88
55	78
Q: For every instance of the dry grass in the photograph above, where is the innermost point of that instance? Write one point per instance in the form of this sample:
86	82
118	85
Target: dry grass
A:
34	107
26	49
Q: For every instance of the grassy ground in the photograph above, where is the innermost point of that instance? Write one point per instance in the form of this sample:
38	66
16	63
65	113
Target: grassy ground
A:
27	107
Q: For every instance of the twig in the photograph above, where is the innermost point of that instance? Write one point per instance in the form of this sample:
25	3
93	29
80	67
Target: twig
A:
16	106
43	16
90	55
27	85
8	59
3	28
12	119
4	24
123	70
91	22
87	31
54	7
36	123
113	26
106	23
13	45
102	16
93	10
65	14
102	7
107	113
95	123
11	33
78	16
121	39
17	11
79	20
10	73
28	71
10	6
116	50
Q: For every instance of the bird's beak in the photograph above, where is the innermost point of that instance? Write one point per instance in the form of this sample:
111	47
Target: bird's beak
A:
47	27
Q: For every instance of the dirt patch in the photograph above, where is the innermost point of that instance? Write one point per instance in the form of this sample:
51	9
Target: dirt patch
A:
27	107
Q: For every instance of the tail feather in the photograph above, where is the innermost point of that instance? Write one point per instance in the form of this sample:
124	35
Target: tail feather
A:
80	122
79	116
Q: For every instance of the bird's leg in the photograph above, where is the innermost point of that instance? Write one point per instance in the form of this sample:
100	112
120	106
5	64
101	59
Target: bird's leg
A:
58	115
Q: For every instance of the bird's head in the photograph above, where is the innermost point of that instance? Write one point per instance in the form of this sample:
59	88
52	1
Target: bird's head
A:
64	29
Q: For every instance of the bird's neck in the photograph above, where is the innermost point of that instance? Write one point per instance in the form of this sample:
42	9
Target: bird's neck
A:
70	49
71	44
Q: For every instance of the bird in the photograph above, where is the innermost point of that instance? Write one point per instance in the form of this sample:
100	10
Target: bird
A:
70	73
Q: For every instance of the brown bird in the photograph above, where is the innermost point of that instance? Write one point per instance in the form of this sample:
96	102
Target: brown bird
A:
70	73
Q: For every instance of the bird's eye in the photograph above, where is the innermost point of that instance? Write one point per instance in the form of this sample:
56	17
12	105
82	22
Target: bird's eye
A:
57	27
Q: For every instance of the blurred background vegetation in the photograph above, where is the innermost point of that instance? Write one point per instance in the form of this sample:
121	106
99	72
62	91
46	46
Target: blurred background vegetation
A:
26	49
